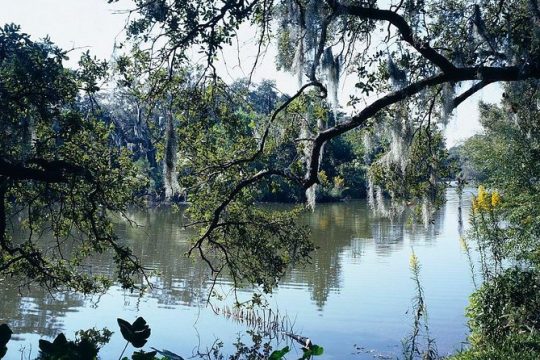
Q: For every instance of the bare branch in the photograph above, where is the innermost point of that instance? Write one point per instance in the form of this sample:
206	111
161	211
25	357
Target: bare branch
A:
469	92
403	27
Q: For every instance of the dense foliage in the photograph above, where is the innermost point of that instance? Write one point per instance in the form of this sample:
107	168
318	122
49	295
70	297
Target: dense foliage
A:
59	176
503	312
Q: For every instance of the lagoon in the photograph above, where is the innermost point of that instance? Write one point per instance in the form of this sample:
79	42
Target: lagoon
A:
354	299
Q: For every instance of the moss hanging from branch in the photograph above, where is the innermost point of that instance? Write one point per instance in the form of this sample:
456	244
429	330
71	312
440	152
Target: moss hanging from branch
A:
170	174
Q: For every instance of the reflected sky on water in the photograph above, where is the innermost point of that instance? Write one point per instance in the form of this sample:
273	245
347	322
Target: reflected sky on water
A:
354	298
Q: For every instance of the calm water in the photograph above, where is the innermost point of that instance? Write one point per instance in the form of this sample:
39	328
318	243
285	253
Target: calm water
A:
353	299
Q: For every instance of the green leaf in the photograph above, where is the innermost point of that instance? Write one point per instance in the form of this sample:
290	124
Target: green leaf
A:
57	346
278	354
60	340
317	350
314	350
46	346
125	329
168	354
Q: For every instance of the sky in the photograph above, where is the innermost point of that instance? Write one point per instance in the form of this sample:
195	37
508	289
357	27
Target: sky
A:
95	25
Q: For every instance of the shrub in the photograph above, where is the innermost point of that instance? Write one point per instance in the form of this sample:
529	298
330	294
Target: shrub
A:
506	305
517	346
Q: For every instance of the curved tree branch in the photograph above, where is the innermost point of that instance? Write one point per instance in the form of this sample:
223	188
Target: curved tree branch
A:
469	92
484	74
50	171
403	27
214	222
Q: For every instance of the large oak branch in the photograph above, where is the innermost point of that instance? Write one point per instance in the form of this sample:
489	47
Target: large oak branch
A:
483	74
403	27
49	171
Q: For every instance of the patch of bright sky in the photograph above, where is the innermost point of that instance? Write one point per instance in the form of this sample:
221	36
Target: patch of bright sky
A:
95	25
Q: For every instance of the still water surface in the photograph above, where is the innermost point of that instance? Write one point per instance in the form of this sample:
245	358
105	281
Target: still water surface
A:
354	299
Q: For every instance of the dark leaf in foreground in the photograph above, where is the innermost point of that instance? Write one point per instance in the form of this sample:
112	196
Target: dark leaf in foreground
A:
279	354
136	333
5	335
141	355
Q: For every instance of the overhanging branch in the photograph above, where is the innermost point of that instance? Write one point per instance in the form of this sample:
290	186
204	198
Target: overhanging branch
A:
403	28
469	92
214	222
49	171
483	74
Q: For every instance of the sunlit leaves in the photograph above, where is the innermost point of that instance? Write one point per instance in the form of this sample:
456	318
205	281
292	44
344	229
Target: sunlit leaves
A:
314	350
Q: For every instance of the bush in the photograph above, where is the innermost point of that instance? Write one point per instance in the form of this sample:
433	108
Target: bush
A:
518	346
507	305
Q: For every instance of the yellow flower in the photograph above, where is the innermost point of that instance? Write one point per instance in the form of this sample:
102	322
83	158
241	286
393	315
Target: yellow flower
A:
413	261
339	182
482	197
323	178
495	199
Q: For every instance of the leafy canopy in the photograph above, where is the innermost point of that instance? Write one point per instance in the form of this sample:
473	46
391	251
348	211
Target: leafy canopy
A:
59	178
412	62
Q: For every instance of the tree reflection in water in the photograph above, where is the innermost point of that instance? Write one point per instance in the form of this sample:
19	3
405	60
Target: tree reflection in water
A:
260	347
338	226
35	310
160	241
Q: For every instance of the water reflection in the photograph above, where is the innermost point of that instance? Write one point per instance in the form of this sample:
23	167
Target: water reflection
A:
360	268
350	228
36	310
158	238
160	242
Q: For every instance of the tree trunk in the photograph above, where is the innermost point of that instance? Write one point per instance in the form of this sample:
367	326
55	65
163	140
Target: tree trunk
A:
170	176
